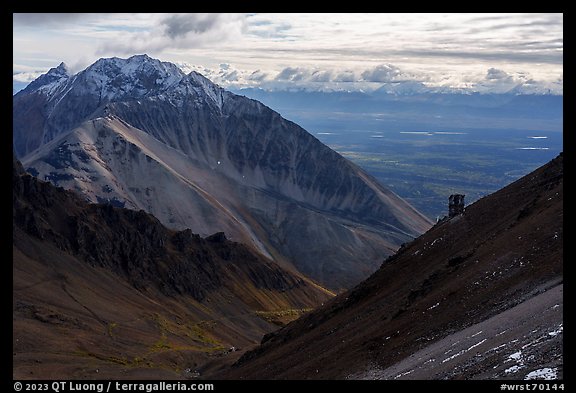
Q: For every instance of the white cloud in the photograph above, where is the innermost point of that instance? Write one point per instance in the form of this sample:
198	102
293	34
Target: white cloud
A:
345	76
257	76
27	77
293	74
232	76
19	68
321	76
384	77
26	74
382	73
498	75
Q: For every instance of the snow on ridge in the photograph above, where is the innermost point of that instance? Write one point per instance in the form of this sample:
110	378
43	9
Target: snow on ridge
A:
169	74
51	80
112	79
212	90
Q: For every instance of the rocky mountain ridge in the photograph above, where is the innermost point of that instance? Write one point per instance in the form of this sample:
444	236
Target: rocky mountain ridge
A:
135	296
140	133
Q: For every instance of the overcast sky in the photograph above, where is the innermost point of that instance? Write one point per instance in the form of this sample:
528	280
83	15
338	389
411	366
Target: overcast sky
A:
483	52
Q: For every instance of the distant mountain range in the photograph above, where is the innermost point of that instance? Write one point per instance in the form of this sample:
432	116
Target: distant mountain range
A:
478	296
140	133
403	107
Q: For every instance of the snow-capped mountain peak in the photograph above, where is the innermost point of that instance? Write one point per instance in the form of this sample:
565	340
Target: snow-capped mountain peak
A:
115	79
135	77
62	69
53	77
71	99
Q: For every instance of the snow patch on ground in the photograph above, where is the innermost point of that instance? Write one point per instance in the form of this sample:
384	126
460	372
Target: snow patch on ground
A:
543	373
463	351
516	356
557	331
403	374
514	369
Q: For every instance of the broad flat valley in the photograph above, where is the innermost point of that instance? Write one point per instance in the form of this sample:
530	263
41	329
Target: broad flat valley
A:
425	152
425	167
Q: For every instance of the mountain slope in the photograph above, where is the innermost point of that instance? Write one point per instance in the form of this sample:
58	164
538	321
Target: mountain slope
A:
141	134
139	300
477	296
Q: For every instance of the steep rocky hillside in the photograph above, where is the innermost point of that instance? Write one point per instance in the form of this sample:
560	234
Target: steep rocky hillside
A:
101	291
479	296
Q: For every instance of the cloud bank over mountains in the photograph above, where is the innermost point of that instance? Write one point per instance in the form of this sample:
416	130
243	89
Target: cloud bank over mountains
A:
468	52
369	79
372	78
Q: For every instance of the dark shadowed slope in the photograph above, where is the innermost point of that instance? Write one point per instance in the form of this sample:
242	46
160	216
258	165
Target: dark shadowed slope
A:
104	292
477	296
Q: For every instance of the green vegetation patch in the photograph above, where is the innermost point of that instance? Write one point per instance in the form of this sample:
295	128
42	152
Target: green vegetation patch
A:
282	317
195	336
